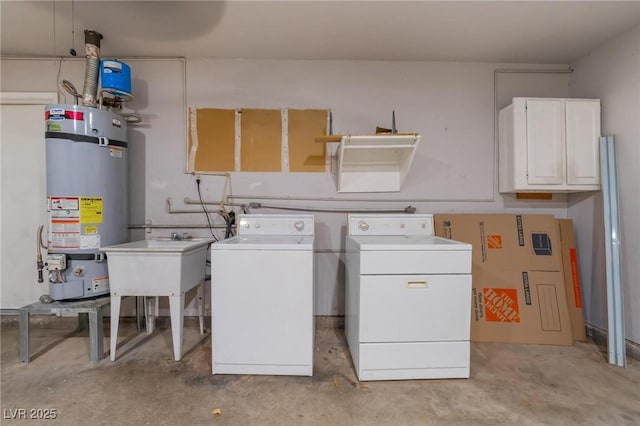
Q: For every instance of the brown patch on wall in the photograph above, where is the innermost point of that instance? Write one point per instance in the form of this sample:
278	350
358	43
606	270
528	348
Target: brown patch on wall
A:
304	154
214	145
216	140
261	145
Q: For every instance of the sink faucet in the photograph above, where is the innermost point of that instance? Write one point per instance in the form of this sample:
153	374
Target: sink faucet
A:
178	237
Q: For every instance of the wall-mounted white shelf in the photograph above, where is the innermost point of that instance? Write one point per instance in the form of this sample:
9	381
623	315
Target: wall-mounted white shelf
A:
374	163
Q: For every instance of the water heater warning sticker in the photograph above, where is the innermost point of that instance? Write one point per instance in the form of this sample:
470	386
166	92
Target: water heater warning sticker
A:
61	240
64	203
89	241
64	226
115	151
64	223
91	210
100	284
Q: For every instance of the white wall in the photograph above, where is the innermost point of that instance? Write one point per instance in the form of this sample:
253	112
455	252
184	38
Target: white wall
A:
22	201
612	73
450	104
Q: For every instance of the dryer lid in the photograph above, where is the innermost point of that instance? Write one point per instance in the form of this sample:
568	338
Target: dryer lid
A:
406	243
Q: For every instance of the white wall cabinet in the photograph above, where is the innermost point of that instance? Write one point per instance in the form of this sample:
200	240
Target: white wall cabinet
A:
549	145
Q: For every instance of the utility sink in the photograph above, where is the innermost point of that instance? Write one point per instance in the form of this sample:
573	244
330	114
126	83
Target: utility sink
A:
158	242
157	267
182	240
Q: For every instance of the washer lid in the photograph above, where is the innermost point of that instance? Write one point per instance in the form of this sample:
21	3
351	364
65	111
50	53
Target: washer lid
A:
265	242
406	243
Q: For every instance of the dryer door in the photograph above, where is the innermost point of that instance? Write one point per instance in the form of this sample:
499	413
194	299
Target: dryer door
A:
415	308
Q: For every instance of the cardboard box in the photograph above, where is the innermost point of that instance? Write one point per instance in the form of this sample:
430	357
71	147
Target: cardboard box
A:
504	241
572	278
519	307
518	282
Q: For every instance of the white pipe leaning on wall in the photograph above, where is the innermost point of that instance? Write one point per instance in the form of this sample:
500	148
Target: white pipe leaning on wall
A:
615	305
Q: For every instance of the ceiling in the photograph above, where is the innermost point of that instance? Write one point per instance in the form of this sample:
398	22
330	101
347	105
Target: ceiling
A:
477	31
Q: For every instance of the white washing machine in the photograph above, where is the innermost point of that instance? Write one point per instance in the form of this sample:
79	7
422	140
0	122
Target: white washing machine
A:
262	297
408	299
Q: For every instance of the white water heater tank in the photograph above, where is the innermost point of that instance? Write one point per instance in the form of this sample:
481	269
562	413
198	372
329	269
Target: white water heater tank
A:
86	156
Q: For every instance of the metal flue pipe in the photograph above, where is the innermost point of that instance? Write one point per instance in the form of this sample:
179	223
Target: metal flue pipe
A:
92	55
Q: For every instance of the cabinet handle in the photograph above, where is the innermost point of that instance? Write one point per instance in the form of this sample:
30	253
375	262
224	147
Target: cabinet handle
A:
417	284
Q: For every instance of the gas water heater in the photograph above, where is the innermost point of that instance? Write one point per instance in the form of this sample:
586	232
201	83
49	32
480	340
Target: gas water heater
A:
86	158
87	197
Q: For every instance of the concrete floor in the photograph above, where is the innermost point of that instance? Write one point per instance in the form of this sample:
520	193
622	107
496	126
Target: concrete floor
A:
509	385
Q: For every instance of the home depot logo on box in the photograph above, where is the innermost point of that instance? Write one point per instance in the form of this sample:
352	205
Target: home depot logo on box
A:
501	304
494	241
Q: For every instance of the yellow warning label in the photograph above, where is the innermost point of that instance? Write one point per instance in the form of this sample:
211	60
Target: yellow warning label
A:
89	230
91	210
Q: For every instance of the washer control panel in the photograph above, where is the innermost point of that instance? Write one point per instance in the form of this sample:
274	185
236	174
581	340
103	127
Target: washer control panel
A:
275	224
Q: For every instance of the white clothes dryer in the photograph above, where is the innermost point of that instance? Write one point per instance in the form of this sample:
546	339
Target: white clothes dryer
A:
408	299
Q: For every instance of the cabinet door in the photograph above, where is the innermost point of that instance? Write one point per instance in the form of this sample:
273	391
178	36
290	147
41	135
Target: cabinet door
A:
545	142
583	133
